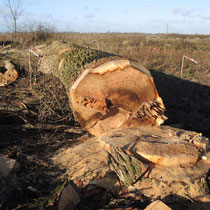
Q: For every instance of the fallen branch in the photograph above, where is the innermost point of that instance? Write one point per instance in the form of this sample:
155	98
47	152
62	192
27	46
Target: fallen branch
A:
43	127
12	108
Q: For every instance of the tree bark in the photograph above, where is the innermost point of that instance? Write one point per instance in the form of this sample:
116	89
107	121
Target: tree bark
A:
67	61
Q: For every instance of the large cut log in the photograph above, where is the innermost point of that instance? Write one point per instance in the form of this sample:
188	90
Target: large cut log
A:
105	91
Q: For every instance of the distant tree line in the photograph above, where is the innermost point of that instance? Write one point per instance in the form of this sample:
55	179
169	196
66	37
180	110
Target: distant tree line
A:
11	12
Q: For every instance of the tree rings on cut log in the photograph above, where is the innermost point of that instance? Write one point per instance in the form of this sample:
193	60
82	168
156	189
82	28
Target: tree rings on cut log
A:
11	75
116	93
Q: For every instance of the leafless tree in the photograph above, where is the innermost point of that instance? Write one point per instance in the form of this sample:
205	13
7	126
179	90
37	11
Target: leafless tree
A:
13	9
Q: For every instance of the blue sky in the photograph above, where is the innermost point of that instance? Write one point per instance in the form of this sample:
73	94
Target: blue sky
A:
144	16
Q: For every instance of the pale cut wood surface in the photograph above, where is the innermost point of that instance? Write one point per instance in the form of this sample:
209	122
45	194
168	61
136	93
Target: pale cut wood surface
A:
114	95
161	145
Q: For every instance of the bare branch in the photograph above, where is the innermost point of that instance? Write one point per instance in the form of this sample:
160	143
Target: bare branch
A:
13	9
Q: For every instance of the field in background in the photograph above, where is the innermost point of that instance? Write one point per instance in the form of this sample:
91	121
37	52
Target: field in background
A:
187	99
161	52
158	52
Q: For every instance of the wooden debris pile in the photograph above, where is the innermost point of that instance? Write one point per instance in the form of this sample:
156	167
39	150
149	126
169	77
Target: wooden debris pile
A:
10	75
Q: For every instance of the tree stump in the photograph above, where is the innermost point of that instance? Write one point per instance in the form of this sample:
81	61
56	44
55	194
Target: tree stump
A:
105	91
162	153
171	154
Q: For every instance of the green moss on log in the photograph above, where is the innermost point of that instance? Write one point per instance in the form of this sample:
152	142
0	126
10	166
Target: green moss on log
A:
70	60
75	61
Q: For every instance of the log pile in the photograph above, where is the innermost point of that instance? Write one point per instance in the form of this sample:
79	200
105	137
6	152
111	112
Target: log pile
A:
10	75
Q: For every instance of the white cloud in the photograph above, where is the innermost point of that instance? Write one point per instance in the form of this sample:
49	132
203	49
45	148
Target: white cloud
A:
186	13
176	11
97	9
182	12
48	15
89	16
206	17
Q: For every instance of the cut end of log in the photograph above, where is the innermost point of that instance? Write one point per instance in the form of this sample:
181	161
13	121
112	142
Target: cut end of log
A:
11	75
114	94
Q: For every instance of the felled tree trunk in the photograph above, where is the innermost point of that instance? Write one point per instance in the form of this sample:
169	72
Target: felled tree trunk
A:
105	91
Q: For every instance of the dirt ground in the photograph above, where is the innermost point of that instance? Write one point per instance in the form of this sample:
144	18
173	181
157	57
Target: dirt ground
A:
36	123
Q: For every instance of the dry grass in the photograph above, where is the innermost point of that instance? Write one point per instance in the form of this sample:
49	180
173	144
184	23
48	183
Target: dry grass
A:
159	52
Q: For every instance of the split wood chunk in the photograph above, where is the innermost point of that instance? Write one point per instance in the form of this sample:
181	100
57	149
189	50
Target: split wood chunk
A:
127	167
8	64
157	205
84	162
106	91
69	197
